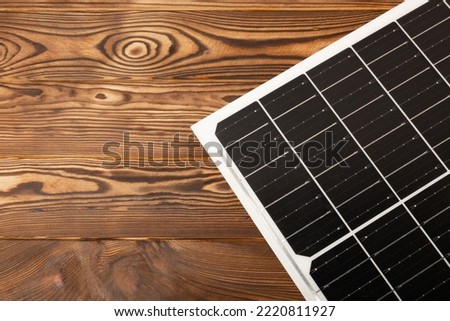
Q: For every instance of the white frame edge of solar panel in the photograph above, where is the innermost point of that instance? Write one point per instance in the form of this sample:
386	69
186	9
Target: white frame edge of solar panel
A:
297	266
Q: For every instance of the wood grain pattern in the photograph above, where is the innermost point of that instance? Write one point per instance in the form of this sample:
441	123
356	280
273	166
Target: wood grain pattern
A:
169	45
159	270
156	5
64	126
51	155
75	75
122	203
77	119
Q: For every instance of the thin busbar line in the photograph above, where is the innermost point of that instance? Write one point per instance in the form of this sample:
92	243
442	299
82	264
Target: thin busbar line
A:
385	295
400	109
422	91
287	194
443	59
443	142
347	272
375	218
384	135
418	250
407	164
417	16
374	165
356	231
417	274
321	265
387	53
331	167
308	225
265	165
359	193
422	176
409	79
423	54
296	106
344	78
364	106
436	215
433	289
400	200
442	121
327	197
315	135
370	281
423	200
432	27
247	135
395	241
431	107
446	3
423	188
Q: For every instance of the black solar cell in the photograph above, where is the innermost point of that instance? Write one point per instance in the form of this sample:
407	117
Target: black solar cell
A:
425	17
400	249
347	273
431	208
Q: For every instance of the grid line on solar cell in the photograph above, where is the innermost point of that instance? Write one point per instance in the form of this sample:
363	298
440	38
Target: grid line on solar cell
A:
403	112
423	53
383	136
387	53
443	142
431	209
327	197
314	95
314	135
265	165
374	166
443	59
431	107
246	135
351	152
410	79
411	197
345	160
401	250
430	28
353	275
363	106
434	45
377	122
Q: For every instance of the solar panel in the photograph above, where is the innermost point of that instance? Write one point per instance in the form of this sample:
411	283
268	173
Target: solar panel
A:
342	161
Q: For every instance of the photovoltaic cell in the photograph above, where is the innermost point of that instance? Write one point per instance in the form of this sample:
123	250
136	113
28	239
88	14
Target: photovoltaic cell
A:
402	251
431	209
348	162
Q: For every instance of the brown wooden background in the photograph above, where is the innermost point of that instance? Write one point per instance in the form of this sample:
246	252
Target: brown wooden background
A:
75	75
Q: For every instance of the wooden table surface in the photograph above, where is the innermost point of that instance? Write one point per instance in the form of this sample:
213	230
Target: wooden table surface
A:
76	75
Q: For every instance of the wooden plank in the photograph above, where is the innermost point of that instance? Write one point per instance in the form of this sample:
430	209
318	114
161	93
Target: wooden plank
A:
77	198
154	5
147	47
125	270
53	184
72	120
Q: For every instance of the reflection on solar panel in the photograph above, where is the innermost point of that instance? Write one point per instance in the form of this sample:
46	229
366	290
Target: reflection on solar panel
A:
342	161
